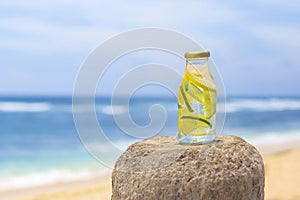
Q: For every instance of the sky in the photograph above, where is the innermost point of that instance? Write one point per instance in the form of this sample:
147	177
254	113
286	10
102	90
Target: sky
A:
255	44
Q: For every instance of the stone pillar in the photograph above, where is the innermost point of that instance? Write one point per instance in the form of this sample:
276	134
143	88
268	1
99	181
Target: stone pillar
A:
161	168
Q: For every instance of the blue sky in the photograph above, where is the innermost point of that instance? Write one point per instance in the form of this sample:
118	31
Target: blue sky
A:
255	44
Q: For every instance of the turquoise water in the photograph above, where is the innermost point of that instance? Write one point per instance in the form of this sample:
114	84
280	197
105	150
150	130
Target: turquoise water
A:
39	142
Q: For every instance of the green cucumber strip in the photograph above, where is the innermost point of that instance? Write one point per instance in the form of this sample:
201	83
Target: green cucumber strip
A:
185	100
197	118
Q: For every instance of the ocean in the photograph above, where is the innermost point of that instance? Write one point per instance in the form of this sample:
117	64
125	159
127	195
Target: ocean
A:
39	143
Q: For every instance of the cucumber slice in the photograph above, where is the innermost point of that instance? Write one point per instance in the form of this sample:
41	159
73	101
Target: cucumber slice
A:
186	102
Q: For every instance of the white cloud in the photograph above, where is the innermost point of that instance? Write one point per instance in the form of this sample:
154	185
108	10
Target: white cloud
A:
35	34
281	35
291	5
232	30
102	20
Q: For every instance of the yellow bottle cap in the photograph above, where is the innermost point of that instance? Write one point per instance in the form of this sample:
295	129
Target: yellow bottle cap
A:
197	54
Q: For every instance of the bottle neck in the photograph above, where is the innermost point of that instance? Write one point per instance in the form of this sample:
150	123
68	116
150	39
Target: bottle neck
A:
198	62
196	66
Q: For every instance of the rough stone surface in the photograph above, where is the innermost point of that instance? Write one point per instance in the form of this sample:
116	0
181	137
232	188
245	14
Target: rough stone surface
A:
160	168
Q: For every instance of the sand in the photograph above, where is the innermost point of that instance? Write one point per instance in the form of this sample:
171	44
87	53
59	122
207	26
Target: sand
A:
96	188
282	182
283	175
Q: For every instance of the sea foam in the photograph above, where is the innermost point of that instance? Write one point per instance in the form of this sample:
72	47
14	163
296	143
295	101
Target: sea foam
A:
24	107
47	177
261	105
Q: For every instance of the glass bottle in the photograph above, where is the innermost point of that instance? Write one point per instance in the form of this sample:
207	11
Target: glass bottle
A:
197	101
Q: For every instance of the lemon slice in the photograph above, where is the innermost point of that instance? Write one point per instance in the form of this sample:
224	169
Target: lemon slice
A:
199	119
209	103
203	90
200	82
194	124
196	92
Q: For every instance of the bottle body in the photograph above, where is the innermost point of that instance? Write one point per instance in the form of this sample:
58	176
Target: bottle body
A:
197	103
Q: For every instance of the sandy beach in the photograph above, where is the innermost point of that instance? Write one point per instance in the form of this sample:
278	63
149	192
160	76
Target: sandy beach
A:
282	175
96	188
282	182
